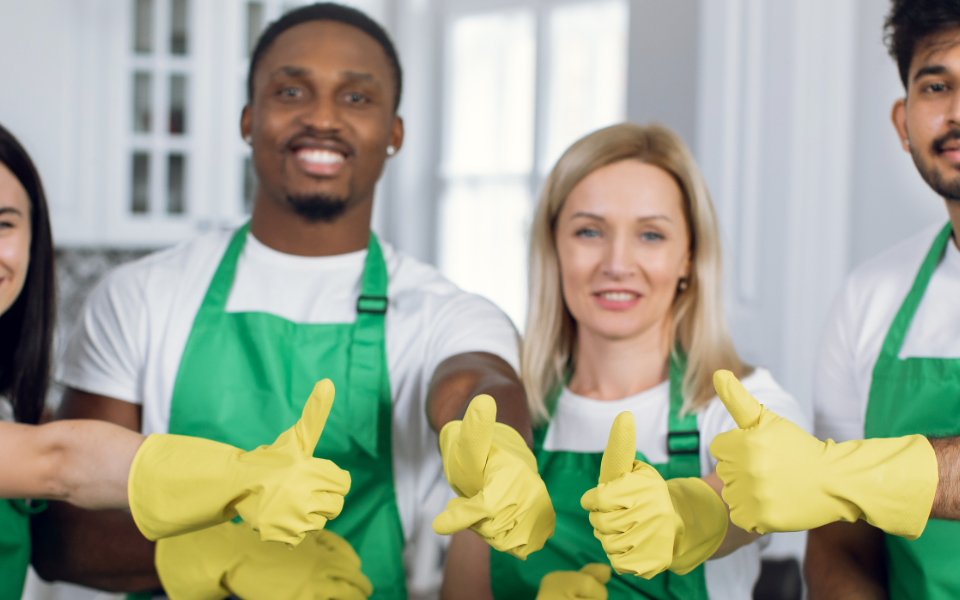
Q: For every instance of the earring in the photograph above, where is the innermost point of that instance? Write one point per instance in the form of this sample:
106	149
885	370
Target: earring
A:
391	150
248	139
682	285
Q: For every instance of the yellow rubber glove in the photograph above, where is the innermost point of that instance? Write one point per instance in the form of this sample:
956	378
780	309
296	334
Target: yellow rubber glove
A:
777	477
589	583
502	497
179	484
229	558
646	524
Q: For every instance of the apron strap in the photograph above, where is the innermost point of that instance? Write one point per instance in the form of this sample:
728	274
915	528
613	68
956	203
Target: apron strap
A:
683	434
367	351
219	290
901	323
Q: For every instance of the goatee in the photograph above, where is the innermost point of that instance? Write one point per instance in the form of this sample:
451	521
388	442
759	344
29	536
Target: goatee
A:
947	188
318	207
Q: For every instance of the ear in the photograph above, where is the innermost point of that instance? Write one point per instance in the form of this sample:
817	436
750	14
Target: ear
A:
246	122
396	133
899	118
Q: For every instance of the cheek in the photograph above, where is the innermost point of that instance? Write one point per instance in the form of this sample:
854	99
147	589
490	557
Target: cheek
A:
576	267
15	255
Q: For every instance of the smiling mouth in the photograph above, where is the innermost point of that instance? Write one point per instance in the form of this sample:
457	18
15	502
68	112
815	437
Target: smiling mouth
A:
618	296
321	162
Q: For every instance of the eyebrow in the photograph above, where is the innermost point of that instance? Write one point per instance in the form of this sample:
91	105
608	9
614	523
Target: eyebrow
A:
10	209
930	70
597	217
291	71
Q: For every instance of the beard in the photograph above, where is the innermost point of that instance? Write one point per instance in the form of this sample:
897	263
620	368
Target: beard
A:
948	188
318	207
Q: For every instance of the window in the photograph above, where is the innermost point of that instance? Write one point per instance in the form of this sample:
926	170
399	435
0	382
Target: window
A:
161	108
512	105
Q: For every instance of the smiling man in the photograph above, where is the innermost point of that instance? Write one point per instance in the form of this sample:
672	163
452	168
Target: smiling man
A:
224	336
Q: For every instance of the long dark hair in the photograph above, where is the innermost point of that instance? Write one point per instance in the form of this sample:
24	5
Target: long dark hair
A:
26	330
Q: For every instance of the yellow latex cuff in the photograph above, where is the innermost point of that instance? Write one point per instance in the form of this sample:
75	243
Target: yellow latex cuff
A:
777	477
645	524
214	563
179	484
589	583
494	473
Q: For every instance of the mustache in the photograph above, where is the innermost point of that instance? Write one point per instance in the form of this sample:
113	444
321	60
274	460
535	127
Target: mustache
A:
314	134
940	142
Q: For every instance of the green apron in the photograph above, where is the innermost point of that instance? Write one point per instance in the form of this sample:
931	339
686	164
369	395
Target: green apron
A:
568	475
15	546
918	395
244	378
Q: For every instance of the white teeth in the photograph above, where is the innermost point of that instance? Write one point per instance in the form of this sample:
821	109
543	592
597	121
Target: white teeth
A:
618	296
320	157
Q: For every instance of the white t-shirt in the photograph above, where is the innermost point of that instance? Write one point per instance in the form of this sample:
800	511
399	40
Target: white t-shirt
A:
583	425
136	323
860	319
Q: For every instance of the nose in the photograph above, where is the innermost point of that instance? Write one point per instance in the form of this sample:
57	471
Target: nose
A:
618	263
323	115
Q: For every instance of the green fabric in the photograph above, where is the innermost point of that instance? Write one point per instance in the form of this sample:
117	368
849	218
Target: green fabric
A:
244	378
568	475
918	395
15	546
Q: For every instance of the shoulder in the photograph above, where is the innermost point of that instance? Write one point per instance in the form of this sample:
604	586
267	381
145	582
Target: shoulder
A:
889	275
161	273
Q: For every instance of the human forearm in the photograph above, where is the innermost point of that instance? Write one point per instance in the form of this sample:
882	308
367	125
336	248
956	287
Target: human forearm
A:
461	378
466	574
845	561
946	502
99	549
735	537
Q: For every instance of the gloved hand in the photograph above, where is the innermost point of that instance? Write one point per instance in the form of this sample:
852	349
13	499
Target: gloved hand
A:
589	583
179	484
777	477
646	524
502	497
229	558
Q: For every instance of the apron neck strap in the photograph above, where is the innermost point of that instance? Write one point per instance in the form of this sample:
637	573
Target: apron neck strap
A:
365	376
219	290
901	323
683	435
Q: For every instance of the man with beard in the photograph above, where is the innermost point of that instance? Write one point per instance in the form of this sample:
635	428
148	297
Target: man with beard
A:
224	337
883	502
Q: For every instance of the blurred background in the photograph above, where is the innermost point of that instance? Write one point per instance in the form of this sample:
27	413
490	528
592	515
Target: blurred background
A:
131	110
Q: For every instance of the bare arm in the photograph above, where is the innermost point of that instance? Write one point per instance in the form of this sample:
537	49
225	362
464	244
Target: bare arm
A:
99	549
82	462
946	502
460	378
466	576
845	561
736	537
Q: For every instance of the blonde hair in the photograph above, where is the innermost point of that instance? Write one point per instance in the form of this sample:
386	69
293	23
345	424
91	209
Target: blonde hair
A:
698	326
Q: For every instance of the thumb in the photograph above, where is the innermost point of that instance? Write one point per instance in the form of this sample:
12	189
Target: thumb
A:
743	407
476	435
598	571
621	448
314	417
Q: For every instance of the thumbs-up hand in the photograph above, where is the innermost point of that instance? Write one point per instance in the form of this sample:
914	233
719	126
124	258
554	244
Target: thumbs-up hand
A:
178	484
777	477
589	583
630	509
293	492
501	495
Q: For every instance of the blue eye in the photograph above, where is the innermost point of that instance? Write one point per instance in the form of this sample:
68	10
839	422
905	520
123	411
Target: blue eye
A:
651	236
587	232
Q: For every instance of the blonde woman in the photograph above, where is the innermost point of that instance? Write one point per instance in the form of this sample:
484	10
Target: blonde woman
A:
625	314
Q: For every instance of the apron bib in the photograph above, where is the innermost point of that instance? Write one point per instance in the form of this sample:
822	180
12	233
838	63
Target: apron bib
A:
918	395
568	476
244	378
15	545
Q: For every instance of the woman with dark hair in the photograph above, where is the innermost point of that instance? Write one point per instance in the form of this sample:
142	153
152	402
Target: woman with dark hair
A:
175	484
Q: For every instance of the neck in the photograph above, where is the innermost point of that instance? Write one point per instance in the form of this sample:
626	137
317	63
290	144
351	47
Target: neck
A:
277	226
953	207
615	369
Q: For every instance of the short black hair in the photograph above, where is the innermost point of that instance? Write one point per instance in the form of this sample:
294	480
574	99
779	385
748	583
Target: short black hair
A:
26	329
328	11
910	21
